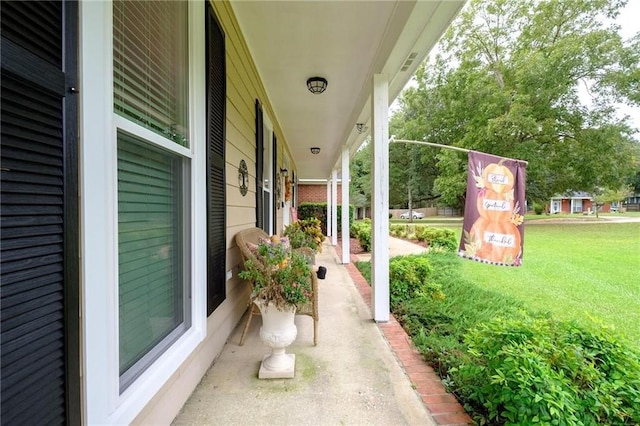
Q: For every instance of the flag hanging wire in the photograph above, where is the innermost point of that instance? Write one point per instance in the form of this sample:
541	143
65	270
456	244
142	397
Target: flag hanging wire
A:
437	145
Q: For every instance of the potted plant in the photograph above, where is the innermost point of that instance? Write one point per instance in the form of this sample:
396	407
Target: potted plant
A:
281	280
305	233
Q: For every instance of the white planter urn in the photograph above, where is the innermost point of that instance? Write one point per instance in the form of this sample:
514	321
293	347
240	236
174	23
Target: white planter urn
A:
278	331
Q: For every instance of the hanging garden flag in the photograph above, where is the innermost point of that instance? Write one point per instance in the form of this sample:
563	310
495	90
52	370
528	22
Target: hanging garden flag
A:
493	228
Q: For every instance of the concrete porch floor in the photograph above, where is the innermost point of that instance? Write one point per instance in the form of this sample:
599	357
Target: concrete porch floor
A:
354	376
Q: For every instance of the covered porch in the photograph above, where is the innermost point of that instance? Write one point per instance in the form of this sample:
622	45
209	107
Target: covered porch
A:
359	373
256	128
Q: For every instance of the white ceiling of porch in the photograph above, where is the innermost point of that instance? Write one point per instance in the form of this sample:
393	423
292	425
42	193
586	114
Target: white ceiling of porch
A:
346	42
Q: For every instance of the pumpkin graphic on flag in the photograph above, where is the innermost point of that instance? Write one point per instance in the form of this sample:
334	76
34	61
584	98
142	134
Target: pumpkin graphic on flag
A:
498	178
496	241
495	206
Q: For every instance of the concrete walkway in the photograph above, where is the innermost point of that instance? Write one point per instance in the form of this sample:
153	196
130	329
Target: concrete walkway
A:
397	247
351	378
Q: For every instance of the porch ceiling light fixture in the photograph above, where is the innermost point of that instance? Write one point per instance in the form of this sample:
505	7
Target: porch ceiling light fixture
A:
315	150
317	85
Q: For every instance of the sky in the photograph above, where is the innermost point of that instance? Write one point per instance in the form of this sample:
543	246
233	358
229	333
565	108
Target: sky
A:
629	20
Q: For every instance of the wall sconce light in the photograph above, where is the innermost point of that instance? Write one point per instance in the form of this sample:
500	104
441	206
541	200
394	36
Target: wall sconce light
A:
284	172
361	128
317	85
315	150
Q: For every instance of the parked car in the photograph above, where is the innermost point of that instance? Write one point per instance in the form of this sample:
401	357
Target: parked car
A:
416	215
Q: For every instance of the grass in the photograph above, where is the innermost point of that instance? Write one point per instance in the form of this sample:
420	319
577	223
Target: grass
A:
578	271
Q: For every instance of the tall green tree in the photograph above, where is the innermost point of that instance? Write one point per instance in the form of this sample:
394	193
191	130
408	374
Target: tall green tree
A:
360	171
412	168
508	81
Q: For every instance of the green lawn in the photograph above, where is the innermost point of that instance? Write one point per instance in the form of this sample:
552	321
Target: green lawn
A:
576	271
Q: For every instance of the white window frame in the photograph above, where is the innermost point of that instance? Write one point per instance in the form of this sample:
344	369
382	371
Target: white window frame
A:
267	169
103	403
576	205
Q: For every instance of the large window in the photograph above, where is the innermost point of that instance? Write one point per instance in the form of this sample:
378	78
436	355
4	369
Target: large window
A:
150	99
149	63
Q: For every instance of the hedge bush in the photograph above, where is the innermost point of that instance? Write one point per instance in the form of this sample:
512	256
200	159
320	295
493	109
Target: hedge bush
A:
411	277
435	237
362	231
438	237
319	211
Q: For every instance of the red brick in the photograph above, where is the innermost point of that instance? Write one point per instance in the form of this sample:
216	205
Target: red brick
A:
315	193
440	398
452	419
419	369
442	408
428	388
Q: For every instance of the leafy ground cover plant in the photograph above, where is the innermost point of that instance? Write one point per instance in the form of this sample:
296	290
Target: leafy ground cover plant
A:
411	277
510	366
545	371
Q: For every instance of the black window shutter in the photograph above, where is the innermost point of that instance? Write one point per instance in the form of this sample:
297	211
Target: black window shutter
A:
216	208
274	191
260	219
39	215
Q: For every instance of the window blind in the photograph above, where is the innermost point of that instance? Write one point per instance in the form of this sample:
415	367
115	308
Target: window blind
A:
150	65
151	244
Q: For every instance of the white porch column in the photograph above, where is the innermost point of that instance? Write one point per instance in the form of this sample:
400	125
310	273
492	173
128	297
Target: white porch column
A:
334	207
346	255
329	207
380	198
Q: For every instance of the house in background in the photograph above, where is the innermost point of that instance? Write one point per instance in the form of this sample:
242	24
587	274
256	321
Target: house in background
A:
137	139
632	203
574	202
579	202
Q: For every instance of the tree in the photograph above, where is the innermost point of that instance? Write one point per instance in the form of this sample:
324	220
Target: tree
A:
360	170
412	168
507	81
610	196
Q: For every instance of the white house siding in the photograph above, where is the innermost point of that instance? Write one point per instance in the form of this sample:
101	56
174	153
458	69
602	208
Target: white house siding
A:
243	88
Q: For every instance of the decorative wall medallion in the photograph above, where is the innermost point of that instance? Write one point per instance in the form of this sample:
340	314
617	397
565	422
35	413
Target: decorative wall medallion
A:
243	178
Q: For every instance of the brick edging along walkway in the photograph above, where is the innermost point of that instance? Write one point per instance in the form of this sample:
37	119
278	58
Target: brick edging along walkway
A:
444	407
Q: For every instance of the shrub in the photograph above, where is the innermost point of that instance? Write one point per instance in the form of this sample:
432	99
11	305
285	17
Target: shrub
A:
410	277
538	208
397	230
357	225
437	237
525	369
362	231
319	211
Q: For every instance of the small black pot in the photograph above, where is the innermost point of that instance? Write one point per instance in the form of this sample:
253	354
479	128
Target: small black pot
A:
322	272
